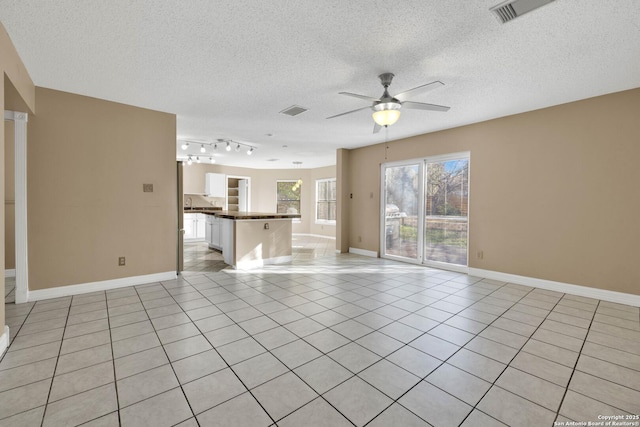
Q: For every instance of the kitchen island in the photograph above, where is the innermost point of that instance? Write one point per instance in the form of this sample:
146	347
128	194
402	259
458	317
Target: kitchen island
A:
250	239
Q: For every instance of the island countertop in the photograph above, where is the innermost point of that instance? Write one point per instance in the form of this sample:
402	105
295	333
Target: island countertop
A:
250	215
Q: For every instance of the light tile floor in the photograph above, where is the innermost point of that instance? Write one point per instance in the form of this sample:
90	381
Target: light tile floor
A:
338	340
9	289
198	257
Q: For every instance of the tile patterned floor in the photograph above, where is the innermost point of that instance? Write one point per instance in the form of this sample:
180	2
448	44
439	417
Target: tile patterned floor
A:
339	340
9	289
199	258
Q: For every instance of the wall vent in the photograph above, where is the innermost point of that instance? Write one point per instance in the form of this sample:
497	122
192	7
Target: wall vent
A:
511	9
294	110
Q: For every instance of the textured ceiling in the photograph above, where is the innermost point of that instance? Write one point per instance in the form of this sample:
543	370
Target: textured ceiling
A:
226	69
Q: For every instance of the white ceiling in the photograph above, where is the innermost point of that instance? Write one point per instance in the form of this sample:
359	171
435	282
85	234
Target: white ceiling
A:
226	69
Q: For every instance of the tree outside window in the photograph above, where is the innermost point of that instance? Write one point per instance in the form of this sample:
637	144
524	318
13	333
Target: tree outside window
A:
288	194
326	200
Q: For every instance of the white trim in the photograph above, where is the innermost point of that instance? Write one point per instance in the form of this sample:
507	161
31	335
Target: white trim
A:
447	266
257	263
4	340
363	252
83	288
314	235
584	291
11	272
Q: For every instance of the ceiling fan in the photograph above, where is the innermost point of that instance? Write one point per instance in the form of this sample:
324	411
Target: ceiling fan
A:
386	109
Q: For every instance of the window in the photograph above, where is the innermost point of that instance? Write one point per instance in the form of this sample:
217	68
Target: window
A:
326	201
289	196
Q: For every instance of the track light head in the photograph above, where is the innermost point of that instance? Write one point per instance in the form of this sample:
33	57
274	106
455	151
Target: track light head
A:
228	147
184	145
202	149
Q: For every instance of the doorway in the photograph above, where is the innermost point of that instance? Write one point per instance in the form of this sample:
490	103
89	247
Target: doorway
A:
425	211
19	202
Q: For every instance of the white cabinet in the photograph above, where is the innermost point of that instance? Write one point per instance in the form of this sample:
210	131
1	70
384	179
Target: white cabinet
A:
194	227
215	185
189	227
213	234
227	239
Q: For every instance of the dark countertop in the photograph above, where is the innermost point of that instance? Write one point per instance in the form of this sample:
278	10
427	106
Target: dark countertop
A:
202	209
251	215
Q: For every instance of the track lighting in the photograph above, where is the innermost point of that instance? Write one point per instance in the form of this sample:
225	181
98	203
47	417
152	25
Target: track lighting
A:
213	147
189	161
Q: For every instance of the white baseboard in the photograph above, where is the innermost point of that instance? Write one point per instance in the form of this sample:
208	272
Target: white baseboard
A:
4	340
10	272
258	263
583	291
364	252
314	235
84	288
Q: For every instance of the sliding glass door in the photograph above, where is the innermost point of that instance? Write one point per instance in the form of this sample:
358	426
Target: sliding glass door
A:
446	219
401	205
425	210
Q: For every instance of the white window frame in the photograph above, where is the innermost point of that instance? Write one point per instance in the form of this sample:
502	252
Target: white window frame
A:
295	220
324	221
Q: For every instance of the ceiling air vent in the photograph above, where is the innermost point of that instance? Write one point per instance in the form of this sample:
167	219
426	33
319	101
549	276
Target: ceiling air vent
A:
294	110
511	9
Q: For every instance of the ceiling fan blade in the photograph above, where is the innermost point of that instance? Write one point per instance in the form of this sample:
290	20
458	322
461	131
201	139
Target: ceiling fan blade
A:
418	90
349	112
376	128
365	97
422	106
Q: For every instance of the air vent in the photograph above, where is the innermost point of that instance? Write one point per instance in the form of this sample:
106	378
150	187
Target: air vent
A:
294	110
511	9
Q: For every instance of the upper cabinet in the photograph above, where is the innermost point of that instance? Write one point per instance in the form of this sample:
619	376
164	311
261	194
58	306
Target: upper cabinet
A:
215	185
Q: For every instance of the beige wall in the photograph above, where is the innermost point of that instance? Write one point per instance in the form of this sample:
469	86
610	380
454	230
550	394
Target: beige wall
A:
88	160
15	78
9	197
254	243
553	192
263	189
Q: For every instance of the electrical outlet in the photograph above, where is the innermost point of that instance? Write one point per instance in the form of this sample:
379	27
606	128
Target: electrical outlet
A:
121	261
480	255
147	188
266	225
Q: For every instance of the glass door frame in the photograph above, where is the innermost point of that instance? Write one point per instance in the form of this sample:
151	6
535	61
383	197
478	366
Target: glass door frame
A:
422	162
383	207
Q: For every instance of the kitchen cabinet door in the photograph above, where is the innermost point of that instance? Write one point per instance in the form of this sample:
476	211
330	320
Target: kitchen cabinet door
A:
189	227
215	185
201	219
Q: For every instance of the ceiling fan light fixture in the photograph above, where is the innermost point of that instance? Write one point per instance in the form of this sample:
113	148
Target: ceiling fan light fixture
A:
386	117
